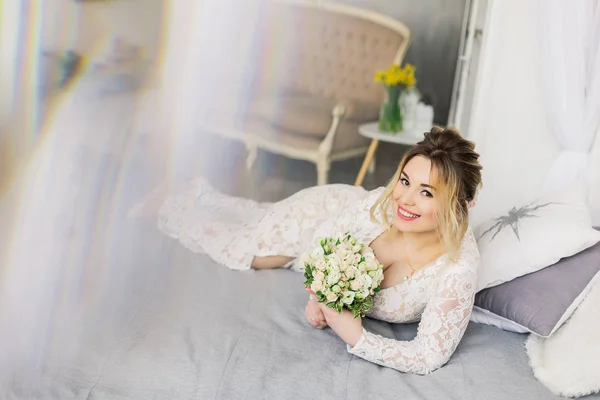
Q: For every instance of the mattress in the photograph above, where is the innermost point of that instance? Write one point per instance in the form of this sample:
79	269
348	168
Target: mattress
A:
159	322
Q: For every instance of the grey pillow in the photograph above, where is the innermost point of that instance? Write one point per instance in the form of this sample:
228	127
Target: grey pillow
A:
542	301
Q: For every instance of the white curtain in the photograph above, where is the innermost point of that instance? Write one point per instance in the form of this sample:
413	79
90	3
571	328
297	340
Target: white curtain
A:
568	36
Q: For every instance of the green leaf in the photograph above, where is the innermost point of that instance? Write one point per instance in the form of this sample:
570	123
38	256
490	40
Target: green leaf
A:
308	274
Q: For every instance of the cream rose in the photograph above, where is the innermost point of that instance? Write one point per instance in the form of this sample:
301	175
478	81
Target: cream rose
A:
319	276
316	286
356	284
305	259
350	272
320	265
344	266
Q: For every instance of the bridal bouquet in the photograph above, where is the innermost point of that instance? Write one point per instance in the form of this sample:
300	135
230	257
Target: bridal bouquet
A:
343	273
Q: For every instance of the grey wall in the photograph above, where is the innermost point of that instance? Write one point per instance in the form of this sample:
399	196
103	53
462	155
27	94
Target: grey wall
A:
436	29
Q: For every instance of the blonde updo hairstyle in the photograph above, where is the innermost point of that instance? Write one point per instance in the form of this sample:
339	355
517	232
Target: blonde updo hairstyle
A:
456	175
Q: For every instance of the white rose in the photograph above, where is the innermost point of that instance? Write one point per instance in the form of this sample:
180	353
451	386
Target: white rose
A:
316	286
372	265
369	256
319	276
333	277
356	259
379	276
365	293
343	284
336	289
362	266
305	258
356	248
332	296
333	268
317	253
348	297
367	281
333	260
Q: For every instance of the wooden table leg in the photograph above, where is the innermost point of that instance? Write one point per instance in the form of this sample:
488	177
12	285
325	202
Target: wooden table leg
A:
366	162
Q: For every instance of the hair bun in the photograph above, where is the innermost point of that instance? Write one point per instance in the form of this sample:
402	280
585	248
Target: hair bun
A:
436	129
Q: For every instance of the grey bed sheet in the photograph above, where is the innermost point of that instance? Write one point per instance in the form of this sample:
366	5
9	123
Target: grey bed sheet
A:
178	326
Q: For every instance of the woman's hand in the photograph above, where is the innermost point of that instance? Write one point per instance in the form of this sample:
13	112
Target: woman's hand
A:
314	314
348	328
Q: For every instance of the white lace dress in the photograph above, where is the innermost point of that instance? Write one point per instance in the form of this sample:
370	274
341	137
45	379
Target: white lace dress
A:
233	230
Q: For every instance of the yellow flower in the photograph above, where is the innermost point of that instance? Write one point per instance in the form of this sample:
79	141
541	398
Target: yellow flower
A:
390	79
402	75
395	75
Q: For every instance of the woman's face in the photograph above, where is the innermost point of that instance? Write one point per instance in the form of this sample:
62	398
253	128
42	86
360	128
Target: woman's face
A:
414	199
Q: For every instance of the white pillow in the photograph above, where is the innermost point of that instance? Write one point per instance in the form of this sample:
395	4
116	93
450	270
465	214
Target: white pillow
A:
532	236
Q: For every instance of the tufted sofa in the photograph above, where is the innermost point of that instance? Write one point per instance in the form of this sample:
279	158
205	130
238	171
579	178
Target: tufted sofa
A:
315	85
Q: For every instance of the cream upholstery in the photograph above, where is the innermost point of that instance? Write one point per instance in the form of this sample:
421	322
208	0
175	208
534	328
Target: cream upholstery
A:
315	85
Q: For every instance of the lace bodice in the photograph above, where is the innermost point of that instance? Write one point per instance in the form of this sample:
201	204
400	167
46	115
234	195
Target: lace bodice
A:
441	297
233	230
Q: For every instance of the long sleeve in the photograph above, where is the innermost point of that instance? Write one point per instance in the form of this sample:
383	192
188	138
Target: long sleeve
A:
442	326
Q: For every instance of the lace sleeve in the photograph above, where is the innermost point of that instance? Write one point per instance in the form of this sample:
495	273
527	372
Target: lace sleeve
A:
442	326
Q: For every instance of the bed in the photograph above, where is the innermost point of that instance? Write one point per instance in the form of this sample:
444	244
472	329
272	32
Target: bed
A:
170	324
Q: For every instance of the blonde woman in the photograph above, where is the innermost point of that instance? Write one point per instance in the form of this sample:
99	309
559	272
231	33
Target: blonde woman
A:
417	225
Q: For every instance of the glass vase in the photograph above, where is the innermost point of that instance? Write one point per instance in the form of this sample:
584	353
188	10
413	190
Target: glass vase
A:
390	114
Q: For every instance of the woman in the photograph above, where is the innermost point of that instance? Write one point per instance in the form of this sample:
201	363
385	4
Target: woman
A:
417	225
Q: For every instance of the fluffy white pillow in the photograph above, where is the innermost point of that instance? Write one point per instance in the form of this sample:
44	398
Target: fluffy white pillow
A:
532	236
567	362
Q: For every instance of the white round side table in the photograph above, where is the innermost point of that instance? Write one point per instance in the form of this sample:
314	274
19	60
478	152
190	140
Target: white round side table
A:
371	130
